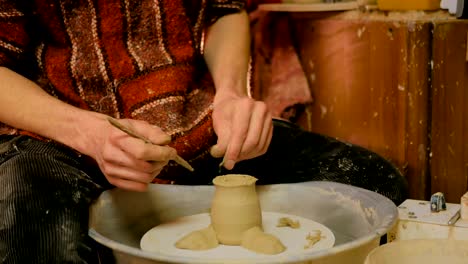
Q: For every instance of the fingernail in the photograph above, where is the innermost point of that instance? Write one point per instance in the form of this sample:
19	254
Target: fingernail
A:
215	152
167	140
229	164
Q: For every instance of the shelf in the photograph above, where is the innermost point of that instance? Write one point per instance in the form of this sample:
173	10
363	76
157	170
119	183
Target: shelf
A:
315	7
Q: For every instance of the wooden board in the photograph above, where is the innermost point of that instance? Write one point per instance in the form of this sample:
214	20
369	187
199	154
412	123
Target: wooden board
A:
303	7
449	130
392	82
369	81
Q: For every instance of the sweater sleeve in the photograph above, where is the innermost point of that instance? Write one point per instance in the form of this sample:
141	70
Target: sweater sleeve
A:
219	8
14	39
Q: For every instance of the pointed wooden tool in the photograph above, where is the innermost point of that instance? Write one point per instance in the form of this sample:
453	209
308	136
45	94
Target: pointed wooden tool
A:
178	159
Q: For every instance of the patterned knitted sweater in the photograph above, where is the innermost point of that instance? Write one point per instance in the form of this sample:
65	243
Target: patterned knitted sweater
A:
125	58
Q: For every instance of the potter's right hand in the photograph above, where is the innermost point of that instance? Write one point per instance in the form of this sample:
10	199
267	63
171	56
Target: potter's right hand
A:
127	162
244	128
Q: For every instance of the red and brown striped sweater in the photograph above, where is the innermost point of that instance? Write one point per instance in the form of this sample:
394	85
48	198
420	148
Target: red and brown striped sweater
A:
125	58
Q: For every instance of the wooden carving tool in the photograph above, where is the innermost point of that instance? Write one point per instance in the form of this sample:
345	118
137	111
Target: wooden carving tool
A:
178	159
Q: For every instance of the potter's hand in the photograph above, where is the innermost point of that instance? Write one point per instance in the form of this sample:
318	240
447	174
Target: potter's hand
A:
129	162
243	126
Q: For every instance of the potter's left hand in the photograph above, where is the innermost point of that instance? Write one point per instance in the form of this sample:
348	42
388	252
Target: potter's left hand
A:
243	126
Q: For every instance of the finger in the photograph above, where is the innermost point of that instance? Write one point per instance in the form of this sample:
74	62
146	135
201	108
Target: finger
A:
126	173
238	135
138	149
157	136
123	159
150	167
129	185
135	173
156	173
267	138
153	133
158	154
218	150
157	166
252	143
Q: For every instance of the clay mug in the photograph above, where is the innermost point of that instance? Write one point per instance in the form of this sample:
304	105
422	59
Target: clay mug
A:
235	207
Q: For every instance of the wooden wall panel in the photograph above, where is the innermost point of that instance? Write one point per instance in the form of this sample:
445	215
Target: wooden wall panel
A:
396	83
449	158
369	81
417	112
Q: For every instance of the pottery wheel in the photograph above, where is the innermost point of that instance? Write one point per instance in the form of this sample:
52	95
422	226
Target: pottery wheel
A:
161	238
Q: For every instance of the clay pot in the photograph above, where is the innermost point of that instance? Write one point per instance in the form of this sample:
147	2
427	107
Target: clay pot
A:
235	207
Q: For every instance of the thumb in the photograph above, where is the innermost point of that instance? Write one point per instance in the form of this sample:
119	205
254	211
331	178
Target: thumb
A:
217	151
